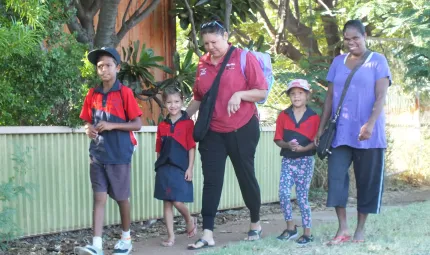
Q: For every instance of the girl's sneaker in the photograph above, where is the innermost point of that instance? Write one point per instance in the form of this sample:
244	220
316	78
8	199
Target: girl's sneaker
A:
303	240
122	248
288	234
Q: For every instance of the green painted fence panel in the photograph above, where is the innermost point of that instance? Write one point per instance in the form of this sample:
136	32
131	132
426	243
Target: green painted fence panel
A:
62	199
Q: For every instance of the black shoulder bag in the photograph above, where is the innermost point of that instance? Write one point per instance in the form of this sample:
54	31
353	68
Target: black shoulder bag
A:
207	104
326	139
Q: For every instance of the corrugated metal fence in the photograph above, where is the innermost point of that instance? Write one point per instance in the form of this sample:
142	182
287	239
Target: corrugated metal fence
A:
62	199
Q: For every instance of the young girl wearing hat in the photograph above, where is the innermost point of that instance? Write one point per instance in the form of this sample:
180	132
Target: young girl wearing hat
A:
296	128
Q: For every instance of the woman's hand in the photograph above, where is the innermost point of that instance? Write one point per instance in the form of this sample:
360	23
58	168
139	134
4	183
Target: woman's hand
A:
189	175
366	131
234	103
317	137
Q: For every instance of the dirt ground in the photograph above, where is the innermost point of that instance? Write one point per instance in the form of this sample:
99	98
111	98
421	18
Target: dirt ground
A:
231	226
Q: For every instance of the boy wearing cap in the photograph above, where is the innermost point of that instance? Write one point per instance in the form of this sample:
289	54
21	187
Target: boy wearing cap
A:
110	113
296	128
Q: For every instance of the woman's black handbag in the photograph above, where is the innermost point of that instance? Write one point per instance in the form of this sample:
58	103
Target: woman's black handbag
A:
326	139
207	104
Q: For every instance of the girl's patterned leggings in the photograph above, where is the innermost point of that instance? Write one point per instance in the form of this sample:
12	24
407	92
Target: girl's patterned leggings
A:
296	171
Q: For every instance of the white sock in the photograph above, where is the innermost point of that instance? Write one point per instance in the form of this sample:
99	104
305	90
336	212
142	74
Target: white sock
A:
97	242
125	237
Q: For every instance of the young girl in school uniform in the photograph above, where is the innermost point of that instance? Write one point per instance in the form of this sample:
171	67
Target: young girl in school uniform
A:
175	149
296	128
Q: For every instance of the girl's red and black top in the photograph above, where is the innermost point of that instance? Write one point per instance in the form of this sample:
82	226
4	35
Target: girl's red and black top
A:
304	131
173	142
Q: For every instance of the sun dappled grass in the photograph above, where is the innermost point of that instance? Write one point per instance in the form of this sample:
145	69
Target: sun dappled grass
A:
398	230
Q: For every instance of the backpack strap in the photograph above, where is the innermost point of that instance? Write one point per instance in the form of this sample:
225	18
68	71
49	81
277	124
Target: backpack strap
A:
123	102
243	60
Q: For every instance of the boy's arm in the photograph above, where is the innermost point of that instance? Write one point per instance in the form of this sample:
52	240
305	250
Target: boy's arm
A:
133	125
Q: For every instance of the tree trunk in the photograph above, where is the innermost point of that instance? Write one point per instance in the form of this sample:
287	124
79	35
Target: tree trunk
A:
106	24
228	7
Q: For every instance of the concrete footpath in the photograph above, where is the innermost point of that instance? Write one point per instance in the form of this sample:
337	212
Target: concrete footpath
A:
230	233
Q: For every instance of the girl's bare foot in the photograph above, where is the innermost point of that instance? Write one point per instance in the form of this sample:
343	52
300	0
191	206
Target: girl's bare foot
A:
168	242
192	227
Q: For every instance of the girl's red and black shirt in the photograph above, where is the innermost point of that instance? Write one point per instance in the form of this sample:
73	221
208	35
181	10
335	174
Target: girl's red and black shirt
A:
304	130
173	142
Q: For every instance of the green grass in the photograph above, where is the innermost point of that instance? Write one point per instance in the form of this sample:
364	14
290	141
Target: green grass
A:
400	230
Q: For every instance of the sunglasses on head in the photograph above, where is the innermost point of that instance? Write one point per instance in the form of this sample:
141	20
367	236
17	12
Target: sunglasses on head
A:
211	24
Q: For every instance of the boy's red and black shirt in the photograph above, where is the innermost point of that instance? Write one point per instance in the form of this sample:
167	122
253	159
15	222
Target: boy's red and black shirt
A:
304	131
118	105
173	142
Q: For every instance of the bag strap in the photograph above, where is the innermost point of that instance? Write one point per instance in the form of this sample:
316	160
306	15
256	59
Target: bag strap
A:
348	82
215	84
123	102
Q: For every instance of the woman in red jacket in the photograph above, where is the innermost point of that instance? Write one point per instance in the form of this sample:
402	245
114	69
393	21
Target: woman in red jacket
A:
234	128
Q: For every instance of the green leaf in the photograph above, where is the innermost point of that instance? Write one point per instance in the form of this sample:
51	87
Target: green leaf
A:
188	59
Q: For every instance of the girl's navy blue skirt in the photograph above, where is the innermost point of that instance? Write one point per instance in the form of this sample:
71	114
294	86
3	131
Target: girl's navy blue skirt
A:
170	185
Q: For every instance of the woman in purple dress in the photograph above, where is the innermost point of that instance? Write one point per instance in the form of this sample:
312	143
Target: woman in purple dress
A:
360	135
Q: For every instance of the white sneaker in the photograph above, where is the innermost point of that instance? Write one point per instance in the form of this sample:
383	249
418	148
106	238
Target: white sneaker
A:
88	250
122	248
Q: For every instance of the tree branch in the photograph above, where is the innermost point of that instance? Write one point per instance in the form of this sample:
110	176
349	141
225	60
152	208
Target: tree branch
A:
126	12
135	18
140	8
95	7
238	38
75	27
282	15
79	8
193	28
325	7
303	33
228	7
290	51
242	34
85	12
273	4
269	27
296	8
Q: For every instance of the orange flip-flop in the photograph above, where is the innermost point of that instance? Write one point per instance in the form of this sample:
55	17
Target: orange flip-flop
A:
339	240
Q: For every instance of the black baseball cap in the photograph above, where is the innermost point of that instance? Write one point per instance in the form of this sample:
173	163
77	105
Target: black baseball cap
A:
94	55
